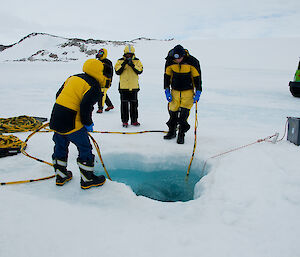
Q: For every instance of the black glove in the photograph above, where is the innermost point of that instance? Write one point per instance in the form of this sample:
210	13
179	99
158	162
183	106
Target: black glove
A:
129	61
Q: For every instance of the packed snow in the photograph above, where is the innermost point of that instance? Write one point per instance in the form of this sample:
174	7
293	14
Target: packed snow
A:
248	202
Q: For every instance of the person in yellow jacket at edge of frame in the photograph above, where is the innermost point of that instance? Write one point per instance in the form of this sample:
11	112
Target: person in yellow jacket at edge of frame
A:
129	68
71	120
183	76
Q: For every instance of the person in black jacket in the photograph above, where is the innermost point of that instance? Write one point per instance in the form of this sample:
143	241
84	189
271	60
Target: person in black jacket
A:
183	87
108	73
71	120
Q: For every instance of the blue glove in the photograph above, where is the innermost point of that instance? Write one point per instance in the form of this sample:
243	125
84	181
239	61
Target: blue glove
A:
168	95
89	128
197	96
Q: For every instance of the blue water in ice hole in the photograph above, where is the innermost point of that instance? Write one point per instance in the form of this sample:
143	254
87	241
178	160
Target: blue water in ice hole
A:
156	180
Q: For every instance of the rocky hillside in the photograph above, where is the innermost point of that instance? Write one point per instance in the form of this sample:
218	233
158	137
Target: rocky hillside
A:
51	48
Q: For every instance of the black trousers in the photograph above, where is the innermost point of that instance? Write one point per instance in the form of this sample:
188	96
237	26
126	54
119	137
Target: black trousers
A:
129	105
107	102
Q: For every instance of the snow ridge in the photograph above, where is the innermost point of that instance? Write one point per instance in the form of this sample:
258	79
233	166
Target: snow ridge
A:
52	48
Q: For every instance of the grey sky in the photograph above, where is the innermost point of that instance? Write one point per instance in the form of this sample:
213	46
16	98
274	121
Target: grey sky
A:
125	20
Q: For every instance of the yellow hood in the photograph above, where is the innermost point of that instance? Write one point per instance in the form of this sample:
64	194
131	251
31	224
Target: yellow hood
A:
94	68
104	54
129	49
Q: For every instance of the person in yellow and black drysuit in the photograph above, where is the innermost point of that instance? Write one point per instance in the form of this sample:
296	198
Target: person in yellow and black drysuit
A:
108	73
71	120
183	76
129	68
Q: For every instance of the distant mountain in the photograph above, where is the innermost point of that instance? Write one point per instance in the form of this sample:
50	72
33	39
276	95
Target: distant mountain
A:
51	48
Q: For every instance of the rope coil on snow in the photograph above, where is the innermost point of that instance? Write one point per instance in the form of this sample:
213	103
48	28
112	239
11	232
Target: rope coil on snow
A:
19	124
9	145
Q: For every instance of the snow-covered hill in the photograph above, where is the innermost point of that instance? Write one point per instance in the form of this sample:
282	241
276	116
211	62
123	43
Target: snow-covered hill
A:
51	48
248	203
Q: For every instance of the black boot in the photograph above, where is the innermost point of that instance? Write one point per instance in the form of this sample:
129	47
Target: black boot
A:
183	124
171	134
62	175
172	124
180	138
88	178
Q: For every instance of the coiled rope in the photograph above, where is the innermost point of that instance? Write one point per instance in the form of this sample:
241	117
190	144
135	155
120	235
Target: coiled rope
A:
9	145
19	124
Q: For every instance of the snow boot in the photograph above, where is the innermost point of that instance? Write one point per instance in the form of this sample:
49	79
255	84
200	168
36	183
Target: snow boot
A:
109	108
171	134
125	124
100	111
172	124
88	178
62	175
135	124
183	124
180	138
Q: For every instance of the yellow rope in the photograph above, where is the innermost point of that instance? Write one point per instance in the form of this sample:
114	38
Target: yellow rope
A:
25	143
195	140
25	181
19	124
23	146
99	154
31	124
10	141
130	133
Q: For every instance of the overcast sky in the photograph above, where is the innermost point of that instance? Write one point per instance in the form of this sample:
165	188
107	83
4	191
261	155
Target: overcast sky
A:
126	20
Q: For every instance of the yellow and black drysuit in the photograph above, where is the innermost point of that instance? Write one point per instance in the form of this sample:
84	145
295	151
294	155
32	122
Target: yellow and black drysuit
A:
129	70
183	78
71	118
108	73
75	99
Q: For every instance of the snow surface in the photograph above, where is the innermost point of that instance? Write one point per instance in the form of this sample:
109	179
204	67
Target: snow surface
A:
247	205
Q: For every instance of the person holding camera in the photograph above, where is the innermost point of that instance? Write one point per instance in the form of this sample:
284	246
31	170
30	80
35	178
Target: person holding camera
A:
129	68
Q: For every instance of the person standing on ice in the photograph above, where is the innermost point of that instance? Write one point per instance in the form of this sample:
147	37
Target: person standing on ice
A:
129	68
71	120
107	72
183	87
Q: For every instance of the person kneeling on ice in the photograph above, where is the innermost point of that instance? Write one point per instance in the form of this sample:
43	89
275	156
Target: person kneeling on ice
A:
183	76
71	120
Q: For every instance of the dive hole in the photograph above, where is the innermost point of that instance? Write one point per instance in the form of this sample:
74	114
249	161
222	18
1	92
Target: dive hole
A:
158	179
